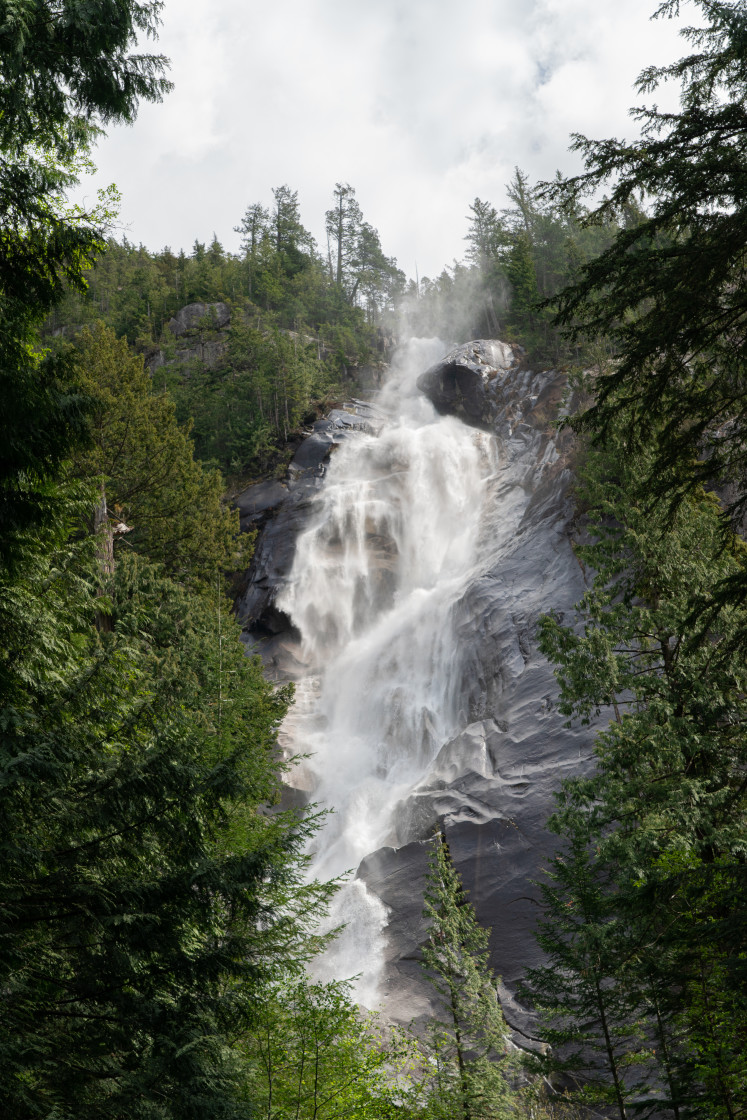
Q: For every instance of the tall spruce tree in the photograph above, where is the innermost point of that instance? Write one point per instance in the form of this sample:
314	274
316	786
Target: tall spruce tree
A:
143	894
144	890
468	1043
588	1018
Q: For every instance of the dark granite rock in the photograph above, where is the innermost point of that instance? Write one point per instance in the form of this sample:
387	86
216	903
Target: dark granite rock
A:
282	510
491	787
257	500
460	383
397	876
271	563
316	448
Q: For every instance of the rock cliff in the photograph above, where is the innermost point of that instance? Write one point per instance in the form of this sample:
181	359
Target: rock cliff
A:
490	786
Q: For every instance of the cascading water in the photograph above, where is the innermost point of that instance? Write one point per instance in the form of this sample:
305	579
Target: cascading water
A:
392	546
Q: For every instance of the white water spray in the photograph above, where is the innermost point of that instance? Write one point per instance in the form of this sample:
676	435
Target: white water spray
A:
376	574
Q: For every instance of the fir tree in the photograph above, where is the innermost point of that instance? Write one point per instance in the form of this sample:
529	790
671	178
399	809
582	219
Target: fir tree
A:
64	69
468	1044
144	896
588	1017
172	506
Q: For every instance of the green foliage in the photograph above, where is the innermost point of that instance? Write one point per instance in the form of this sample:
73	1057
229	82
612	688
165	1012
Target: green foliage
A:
668	294
522	277
658	834
518	259
63	62
589	1021
146	890
63	68
468	1045
172	505
144	896
296	333
312	1055
253	399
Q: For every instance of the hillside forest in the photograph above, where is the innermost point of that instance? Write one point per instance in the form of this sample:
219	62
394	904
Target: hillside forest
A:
156	918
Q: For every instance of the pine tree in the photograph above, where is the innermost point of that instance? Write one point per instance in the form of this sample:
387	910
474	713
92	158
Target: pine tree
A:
468	1045
342	223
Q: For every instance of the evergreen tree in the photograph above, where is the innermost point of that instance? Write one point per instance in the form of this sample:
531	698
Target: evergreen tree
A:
524	300
669	291
485	234
312	1055
254	227
468	1045
172	506
487	238
145	892
663	820
588	1016
343	222
64	69
144	896
289	234
361	272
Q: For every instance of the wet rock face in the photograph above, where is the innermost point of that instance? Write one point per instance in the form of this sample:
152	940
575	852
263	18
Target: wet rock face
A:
461	384
491	787
280	511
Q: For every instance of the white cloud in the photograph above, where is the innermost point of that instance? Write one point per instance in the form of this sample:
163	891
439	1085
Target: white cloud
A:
420	105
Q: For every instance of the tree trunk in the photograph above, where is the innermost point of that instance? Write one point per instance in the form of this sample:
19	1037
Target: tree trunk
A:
102	530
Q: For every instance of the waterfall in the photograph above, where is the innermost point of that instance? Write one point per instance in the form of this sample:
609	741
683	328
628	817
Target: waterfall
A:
393	543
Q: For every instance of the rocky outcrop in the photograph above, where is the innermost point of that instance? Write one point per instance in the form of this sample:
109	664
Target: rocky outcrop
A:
467	380
202	333
491	788
196	315
281	510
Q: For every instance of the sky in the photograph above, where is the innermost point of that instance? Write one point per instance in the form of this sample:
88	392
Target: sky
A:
420	105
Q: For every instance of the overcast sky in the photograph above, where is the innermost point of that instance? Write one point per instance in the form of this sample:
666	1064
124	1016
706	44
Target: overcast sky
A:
421	105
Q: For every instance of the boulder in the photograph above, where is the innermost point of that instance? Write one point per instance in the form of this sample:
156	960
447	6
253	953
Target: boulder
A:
259	499
460	383
189	318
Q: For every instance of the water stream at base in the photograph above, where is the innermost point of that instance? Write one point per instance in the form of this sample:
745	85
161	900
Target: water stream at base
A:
394	543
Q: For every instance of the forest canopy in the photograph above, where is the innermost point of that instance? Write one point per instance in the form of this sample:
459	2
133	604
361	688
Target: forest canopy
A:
156	913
